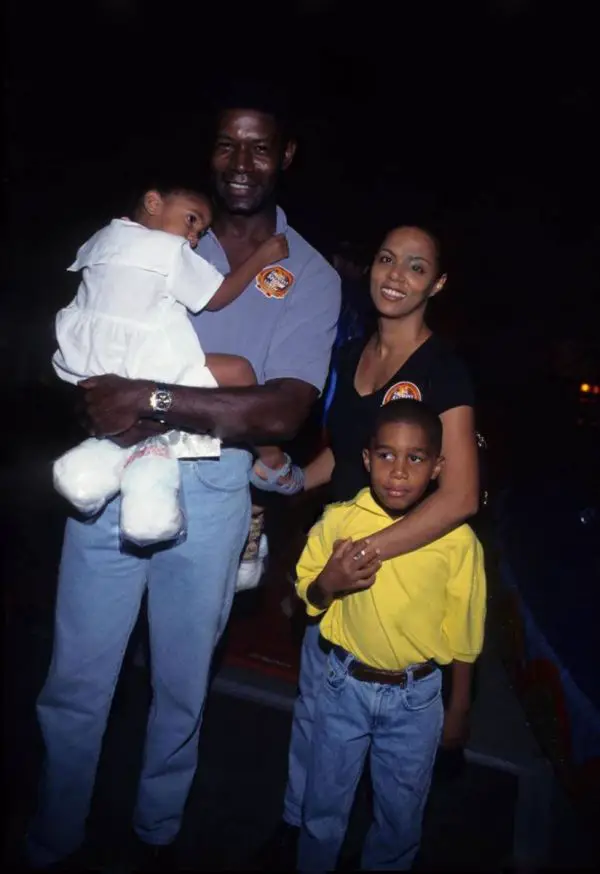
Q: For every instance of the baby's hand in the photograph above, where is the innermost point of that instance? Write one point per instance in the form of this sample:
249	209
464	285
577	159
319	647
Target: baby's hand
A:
274	249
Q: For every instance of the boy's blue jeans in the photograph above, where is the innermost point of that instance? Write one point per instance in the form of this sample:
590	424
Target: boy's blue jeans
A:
190	589
400	728
312	668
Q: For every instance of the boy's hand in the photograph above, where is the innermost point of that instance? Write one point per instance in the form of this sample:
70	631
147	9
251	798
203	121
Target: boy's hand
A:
456	728
274	249
351	568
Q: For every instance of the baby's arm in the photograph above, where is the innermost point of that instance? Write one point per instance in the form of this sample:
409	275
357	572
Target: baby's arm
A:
272	250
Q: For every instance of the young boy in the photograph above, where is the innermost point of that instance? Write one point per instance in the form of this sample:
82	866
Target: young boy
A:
387	628
140	281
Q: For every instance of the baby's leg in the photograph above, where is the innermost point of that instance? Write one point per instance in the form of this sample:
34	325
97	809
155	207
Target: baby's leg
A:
231	371
150	508
235	371
90	474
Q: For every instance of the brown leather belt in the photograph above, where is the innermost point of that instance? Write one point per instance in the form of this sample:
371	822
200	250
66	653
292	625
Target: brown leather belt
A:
367	674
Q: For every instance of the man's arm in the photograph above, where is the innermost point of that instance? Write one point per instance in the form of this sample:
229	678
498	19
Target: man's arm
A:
259	414
453	502
295	372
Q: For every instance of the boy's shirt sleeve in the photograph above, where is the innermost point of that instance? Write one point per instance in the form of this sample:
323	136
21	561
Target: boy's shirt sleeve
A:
464	621
316	554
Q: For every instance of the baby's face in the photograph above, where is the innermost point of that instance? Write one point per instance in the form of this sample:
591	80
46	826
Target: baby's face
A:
186	215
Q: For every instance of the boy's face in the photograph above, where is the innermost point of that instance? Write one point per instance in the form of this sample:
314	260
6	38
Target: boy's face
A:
185	215
401	464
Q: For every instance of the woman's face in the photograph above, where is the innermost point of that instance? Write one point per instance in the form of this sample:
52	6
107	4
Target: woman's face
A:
405	273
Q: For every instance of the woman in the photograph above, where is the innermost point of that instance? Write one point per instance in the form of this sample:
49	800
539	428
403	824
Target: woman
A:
403	358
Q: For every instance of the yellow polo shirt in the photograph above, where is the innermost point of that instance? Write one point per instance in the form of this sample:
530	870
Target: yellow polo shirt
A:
427	604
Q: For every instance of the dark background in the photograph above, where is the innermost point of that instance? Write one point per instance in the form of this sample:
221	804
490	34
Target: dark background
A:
474	115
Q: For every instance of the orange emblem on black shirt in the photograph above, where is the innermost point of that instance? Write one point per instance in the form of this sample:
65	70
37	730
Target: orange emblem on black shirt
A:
402	390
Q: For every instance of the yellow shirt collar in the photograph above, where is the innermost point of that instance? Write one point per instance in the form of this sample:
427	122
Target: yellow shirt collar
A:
365	501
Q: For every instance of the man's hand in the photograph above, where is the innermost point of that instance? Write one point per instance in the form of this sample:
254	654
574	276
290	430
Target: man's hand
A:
141	431
113	405
456	728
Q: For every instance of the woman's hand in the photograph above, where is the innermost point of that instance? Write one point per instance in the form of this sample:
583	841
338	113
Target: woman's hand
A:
350	569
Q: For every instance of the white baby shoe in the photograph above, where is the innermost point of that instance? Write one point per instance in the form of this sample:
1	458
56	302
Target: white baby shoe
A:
90	474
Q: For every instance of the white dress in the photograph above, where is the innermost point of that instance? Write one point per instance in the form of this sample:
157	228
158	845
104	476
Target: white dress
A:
130	318
130	314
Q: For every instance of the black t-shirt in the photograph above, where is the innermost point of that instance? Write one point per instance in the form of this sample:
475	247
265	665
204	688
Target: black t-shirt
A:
433	374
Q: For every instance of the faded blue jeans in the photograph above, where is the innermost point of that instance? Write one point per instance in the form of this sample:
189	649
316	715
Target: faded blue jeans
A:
400	728
190	590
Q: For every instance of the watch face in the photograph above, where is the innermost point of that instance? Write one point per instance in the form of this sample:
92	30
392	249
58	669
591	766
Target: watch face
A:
161	400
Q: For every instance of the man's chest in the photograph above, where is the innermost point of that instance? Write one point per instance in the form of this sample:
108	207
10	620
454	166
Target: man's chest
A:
252	323
236	251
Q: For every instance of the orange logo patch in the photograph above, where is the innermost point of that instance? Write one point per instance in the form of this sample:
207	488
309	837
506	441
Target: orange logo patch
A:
274	281
402	390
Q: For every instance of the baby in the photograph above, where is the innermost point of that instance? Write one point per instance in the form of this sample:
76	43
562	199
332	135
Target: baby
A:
130	317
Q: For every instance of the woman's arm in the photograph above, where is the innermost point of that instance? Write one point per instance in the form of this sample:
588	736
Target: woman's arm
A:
453	502
319	471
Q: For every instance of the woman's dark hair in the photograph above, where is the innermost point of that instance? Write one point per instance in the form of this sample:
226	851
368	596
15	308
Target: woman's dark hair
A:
434	235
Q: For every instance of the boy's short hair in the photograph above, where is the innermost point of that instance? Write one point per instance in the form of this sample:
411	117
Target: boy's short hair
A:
411	412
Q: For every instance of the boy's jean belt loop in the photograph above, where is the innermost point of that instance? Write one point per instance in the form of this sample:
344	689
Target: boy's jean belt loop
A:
368	674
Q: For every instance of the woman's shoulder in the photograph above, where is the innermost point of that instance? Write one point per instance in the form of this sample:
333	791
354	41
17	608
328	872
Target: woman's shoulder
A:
449	381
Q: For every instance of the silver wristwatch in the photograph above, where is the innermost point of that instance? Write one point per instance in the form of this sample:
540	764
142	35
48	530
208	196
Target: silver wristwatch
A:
160	401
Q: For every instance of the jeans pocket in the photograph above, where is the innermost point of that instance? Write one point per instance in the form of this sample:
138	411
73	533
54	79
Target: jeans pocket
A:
423	693
335	674
229	473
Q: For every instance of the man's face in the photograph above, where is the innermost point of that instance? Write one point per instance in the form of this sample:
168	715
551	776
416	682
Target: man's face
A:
401	464
247	159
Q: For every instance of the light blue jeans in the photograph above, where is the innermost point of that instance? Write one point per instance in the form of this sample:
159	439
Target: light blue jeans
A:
401	729
190	590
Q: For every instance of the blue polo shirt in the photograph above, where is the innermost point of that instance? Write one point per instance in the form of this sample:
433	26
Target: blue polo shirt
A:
285	321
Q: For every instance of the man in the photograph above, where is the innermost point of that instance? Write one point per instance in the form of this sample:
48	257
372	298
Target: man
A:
284	323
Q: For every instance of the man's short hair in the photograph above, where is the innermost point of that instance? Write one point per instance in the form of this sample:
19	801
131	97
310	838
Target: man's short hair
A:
258	93
411	412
